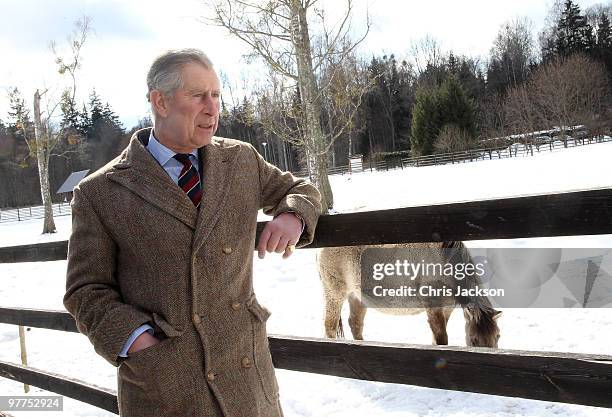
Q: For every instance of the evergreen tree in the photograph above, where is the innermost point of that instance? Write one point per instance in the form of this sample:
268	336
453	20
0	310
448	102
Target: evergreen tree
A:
70	121
604	32
70	115
20	124
386	108
447	105
603	47
96	117
455	108
103	131
84	123
425	122
573	33
111	118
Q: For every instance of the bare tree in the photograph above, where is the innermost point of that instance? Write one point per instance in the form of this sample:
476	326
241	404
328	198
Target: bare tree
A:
279	32
593	14
513	51
427	54
47	131
546	37
453	139
564	93
571	91
522	112
492	117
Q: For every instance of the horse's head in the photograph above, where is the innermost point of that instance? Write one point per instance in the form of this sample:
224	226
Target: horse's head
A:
481	328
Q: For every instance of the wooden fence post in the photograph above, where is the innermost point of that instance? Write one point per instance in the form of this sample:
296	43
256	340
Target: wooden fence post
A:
24	354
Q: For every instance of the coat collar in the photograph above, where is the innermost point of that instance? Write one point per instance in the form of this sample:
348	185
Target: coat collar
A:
137	170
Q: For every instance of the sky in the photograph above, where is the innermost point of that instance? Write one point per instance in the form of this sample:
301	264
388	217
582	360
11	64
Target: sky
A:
128	34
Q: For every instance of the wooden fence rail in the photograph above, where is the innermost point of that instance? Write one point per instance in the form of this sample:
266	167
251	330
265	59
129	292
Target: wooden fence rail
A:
566	214
562	377
82	391
548	376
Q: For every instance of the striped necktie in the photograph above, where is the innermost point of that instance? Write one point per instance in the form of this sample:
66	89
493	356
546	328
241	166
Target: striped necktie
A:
189	180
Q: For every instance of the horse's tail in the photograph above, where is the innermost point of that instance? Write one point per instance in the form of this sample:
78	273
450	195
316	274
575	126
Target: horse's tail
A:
340	329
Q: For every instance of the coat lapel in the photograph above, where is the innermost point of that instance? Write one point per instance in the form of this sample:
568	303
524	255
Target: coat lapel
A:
218	171
138	171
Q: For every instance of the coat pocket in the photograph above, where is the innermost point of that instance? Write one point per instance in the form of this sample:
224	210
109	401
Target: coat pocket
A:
166	378
261	350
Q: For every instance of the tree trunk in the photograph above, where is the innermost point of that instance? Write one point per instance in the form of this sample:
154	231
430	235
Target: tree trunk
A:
42	157
317	168
311	102
284	145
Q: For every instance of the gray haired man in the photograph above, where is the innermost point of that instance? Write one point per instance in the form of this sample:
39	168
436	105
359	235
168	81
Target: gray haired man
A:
160	257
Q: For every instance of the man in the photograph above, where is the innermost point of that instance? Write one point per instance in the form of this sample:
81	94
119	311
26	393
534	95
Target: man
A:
160	257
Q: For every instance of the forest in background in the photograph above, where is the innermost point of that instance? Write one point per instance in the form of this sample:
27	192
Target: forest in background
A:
428	101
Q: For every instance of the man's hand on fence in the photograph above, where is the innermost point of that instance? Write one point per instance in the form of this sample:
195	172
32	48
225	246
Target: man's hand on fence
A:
280	235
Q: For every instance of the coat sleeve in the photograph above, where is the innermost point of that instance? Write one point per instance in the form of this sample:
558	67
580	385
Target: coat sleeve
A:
282	192
92	292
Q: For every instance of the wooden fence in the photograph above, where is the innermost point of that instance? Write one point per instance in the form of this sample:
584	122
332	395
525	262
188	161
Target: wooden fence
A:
549	376
20	214
480	154
63	209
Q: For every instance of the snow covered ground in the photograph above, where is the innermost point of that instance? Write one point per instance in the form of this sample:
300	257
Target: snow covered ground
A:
292	291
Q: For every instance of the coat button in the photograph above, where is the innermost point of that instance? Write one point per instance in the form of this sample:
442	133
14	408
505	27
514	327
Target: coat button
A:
210	376
246	362
227	250
236	305
197	319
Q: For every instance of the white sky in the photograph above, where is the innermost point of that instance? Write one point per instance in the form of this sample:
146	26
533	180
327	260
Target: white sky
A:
128	34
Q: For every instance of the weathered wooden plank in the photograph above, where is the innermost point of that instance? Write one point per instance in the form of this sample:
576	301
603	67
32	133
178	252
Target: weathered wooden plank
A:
558	377
548	376
566	214
44	319
36	252
91	394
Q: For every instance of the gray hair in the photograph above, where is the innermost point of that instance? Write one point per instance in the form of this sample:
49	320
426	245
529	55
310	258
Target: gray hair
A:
165	72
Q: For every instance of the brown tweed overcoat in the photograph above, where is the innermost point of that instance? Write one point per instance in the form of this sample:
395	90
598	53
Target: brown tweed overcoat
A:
140	253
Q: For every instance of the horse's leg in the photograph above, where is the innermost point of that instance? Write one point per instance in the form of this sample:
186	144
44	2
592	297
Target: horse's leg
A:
447	313
437	319
333	320
358	312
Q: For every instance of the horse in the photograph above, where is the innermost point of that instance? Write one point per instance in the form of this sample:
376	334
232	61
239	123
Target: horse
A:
340	274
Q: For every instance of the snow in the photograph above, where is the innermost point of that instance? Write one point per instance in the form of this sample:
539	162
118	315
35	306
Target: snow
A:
291	290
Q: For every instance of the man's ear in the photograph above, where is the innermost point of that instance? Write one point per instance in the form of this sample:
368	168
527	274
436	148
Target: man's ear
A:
159	102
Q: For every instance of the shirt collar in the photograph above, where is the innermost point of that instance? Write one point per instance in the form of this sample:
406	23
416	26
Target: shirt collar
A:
161	153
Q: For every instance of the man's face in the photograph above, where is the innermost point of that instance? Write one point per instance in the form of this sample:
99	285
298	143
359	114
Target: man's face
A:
192	112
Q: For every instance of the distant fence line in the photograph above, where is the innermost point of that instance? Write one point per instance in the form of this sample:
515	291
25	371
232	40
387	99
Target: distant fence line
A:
480	154
470	155
33	212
